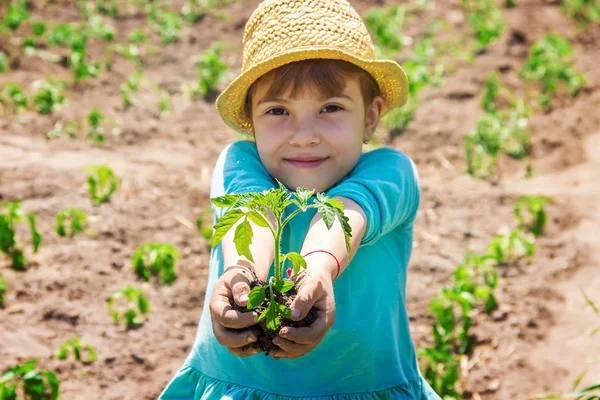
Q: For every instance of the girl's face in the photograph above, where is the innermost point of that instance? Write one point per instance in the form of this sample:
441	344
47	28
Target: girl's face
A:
312	142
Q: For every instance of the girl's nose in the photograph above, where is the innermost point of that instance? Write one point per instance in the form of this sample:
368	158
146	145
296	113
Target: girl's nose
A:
304	135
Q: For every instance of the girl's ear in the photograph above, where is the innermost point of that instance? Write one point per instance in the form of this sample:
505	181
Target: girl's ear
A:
372	116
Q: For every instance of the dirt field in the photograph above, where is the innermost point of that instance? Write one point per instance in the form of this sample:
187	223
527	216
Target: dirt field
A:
537	342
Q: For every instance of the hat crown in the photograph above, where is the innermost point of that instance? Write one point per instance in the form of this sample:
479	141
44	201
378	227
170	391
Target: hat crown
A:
278	26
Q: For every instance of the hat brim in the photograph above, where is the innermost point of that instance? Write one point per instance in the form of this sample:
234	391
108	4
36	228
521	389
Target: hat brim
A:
388	74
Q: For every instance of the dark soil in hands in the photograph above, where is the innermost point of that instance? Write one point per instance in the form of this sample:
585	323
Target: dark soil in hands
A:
265	336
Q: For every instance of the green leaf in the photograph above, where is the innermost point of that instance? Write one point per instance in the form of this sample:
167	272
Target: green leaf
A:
225	201
258	218
256	297
243	239
37	238
273	322
284	311
262	316
283	286
143	304
297	260
230	218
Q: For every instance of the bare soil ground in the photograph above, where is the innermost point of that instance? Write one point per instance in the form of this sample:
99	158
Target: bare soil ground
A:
537	342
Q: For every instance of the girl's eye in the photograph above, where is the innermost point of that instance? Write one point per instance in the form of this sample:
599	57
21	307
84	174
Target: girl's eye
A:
335	108
276	111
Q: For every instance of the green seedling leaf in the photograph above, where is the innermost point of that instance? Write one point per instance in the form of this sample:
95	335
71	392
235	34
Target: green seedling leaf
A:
243	239
258	218
273	322
283	286
256	297
284	311
225	223
225	201
37	238
297	260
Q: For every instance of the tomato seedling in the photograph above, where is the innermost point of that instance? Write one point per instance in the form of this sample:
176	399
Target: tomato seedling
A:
102	183
529	212
49	95
135	299
211	69
24	381
77	348
156	259
511	247
3	288
8	240
77	217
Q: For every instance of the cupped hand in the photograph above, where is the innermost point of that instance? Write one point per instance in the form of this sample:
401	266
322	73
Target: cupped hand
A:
315	289
227	323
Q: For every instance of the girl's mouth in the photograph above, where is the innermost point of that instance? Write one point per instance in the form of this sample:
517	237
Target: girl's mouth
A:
307	164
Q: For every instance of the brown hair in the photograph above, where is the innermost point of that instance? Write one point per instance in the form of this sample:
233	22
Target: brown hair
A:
324	77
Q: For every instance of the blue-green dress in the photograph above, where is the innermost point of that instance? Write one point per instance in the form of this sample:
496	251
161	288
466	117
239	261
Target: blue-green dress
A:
368	353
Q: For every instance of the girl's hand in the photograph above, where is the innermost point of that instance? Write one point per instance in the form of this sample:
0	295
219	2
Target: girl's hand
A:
315	289
234	283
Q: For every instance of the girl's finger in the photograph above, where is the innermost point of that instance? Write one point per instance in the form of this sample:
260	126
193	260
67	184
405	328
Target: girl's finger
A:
309	334
230	338
291	348
243	352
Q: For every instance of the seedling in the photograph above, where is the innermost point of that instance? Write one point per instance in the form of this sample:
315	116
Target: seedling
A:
16	14
204	224
385	26
8	240
130	86
77	347
3	62
511	247
548	63
78	220
441	371
492	88
483	146
102	183
2	290
67	128
49	96
14	96
95	129
60	34
152	259
26	382
478	276
267	297
167	24
582	11
594	308
211	69
39	28
110	8
135	300
529	212
486	19
79	67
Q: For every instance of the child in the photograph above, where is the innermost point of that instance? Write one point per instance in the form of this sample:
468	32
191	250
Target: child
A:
310	94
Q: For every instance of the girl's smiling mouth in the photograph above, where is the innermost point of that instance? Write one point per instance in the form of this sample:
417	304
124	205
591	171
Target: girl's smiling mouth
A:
306	162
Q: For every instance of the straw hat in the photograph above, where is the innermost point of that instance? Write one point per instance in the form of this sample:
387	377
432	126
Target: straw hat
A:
284	31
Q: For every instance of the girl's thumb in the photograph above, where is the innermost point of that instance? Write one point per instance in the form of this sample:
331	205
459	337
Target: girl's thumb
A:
302	304
240	294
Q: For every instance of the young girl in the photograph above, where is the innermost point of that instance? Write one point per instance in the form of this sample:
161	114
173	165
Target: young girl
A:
311	92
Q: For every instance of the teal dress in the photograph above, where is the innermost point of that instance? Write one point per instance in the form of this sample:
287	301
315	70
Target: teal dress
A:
368	353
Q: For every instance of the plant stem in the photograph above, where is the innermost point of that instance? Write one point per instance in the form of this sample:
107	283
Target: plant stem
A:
278	250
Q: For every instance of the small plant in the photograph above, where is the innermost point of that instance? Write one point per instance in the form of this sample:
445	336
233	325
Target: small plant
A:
594	308
26	382
167	24
477	275
102	183
483	146
78	220
548	64
49	95
77	58
2	290
135	300
16	14
491	90
211	68
95	129
152	259
64	128
204	224
441	370
529	212
3	62
486	19
511	247
14	96
8	240
130	86
268	297
165	103
385	26
109	8
76	346
582	11
61	34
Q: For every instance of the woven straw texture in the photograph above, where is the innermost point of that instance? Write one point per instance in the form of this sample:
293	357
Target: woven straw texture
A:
284	31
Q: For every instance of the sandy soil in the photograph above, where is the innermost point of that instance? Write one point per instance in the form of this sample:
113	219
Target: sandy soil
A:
537	342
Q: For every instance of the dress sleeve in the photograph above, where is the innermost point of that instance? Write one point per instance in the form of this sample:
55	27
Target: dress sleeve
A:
239	170
385	184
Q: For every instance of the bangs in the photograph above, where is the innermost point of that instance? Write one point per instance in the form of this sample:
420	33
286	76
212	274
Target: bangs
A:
323	78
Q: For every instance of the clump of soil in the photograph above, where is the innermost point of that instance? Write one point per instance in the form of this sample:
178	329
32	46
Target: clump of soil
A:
265	336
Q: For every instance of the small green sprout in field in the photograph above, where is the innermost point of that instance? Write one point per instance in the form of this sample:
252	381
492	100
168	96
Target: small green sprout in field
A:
3	62
477	275
548	63
211	69
582	11
95	128
156	259
491	90
204	224
60	34
78	220
8	240
102	183
165	103
385	26
16	14
516	137
167	24
39	28
106	7
529	212
77	62
486	19
594	308
2	290
441	370
194	10
49	95
135	300
132	50
511	247
67	128
76	346
510	3
254	207
14	97
24	381
130	86
483	146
